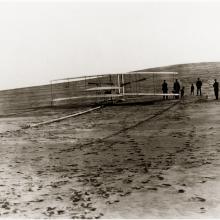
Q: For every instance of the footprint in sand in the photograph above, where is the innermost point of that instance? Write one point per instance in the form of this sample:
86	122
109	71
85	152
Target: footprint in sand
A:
160	177
210	177
6	213
127	181
49	213
5	205
202	210
99	216
198	199
60	212
203	181
112	202
59	198
166	184
145	181
125	193
181	191
137	187
152	188
129	159
37	200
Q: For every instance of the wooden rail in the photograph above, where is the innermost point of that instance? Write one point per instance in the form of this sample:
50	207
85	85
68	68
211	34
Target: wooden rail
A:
62	118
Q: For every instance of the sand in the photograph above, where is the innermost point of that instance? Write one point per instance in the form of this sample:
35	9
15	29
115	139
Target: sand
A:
117	162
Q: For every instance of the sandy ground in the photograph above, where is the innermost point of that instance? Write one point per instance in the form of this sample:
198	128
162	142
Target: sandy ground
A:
117	162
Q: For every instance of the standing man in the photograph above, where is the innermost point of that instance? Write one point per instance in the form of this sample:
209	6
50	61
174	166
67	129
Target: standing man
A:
199	86
216	89
182	92
176	88
192	89
165	89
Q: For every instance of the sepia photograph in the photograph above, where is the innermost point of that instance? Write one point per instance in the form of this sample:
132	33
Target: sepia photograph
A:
109	109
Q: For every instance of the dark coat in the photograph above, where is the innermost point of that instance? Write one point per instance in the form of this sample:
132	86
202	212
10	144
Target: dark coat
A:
176	87
164	87
216	86
199	84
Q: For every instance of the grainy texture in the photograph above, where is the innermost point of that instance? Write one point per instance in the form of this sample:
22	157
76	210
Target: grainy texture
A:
165	167
40	96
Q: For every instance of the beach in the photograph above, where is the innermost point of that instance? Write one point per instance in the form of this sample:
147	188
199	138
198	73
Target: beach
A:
158	160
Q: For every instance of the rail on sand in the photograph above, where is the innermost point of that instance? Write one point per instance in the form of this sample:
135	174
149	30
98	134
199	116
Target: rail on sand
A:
61	118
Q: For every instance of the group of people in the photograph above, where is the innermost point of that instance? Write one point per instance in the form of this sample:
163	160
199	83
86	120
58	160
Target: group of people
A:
198	86
177	90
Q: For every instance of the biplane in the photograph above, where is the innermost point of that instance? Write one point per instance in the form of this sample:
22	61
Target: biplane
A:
111	87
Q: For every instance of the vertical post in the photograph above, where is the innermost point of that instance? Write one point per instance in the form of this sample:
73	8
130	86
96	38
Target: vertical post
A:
123	83
98	99
85	83
135	82
154	84
51	93
119	86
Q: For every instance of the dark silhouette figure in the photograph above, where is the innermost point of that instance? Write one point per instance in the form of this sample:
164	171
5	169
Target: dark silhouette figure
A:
216	89
165	89
192	89
176	88
182	92
199	87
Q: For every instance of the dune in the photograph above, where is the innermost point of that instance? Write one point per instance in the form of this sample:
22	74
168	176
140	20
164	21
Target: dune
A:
157	160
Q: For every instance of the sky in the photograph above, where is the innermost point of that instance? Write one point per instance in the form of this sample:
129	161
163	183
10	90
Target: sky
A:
45	40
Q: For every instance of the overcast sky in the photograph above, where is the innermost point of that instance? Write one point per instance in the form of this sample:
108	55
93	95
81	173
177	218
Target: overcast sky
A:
41	41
